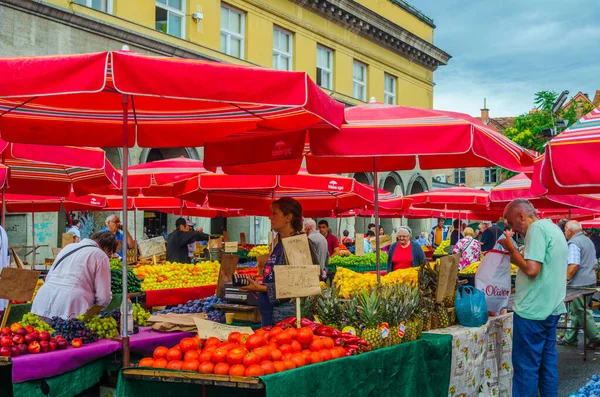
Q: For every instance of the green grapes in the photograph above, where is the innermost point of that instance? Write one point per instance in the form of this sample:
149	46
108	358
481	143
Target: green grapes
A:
116	264
36	322
140	315
105	328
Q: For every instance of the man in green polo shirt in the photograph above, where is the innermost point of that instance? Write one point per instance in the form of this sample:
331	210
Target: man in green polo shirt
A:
540	291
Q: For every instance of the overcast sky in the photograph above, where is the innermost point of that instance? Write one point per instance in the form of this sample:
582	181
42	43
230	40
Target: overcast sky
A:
506	50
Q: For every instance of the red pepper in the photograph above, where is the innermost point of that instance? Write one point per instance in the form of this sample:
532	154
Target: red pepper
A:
310	324
350	352
351	346
351	340
363	342
338	341
325	331
288	322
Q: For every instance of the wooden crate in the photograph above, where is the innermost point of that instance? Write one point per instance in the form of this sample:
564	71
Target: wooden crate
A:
244	313
158	375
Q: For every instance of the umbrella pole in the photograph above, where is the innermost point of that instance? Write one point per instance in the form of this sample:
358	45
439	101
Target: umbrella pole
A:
3	201
376	203
124	315
33	234
135	224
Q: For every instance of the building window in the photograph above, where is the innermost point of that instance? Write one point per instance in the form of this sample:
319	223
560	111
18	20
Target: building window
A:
232	31
490	175
359	81
282	49
170	17
100	5
460	176
324	67
389	89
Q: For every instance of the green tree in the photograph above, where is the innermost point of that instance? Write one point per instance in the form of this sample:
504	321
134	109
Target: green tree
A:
544	100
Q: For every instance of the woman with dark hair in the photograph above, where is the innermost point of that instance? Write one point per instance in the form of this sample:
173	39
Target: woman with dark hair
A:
286	220
78	279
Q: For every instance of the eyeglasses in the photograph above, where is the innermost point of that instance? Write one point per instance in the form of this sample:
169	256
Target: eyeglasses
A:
117	222
403	236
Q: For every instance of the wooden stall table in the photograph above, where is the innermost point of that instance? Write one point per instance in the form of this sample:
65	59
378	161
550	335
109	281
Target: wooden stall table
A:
421	367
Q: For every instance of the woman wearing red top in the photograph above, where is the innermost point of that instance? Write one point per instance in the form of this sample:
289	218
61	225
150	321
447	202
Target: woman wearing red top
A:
404	253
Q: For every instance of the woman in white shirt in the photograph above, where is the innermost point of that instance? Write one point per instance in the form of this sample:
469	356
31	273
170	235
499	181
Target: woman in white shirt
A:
78	279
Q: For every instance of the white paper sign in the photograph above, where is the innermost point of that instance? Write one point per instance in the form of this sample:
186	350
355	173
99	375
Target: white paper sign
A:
231	246
153	246
296	281
207	329
297	250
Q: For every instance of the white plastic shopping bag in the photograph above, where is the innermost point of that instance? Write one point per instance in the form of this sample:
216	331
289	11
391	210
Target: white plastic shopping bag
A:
493	278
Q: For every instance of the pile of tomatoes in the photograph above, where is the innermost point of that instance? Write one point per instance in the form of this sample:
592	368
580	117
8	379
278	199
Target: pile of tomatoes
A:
262	353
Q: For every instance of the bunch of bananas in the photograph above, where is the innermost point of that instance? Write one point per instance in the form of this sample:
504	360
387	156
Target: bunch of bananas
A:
441	249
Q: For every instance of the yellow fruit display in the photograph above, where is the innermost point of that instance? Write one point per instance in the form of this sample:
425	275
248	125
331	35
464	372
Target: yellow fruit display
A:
349	282
472	268
258	251
39	284
441	249
178	275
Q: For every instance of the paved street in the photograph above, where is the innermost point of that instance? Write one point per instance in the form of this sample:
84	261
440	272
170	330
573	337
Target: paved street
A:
573	371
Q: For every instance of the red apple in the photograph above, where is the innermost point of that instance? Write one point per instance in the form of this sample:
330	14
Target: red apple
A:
21	331
29	338
23	349
15	351
76	342
53	346
18	339
53	339
6	341
45	335
36	335
5	351
45	346
34	347
29	329
62	344
5	331
14	327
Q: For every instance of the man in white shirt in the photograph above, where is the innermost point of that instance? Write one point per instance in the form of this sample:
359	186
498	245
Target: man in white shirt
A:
74	229
320	244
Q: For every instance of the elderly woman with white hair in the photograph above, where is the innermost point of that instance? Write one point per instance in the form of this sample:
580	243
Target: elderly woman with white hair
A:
404	253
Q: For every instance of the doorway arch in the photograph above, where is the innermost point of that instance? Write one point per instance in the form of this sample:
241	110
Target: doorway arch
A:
114	155
364	177
155	154
393	184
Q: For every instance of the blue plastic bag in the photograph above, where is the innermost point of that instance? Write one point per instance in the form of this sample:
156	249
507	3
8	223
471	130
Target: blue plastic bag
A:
471	309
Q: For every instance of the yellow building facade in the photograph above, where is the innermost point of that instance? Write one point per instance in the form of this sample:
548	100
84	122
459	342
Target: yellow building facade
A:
353	49
368	48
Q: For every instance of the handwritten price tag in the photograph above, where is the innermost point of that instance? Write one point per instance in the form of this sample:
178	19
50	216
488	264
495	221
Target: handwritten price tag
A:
296	281
153	246
231	246
207	329
297	250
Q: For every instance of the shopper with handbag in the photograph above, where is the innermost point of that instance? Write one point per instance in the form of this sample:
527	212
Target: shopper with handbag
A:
468	248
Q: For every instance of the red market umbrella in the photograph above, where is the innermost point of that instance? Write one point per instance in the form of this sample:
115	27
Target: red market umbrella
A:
520	185
567	166
317	193
120	98
454	198
79	100
164	172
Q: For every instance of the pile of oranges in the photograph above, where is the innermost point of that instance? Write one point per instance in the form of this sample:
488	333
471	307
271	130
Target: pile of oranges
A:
262	353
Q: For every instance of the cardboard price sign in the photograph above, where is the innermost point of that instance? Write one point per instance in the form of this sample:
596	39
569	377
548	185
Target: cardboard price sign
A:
215	243
359	244
18	284
67	238
207	329
152	246
296	281
231	246
297	250
448	276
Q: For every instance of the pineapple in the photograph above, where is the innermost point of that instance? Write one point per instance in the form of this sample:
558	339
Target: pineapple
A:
350	315
369	314
414	324
328	307
442	315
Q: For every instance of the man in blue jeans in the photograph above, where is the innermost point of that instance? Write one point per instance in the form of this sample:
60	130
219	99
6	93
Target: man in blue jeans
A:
540	291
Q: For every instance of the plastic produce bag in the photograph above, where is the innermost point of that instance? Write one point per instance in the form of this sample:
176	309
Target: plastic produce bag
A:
493	278
471	309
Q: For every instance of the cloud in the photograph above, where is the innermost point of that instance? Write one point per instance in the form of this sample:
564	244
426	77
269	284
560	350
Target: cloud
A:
506	51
